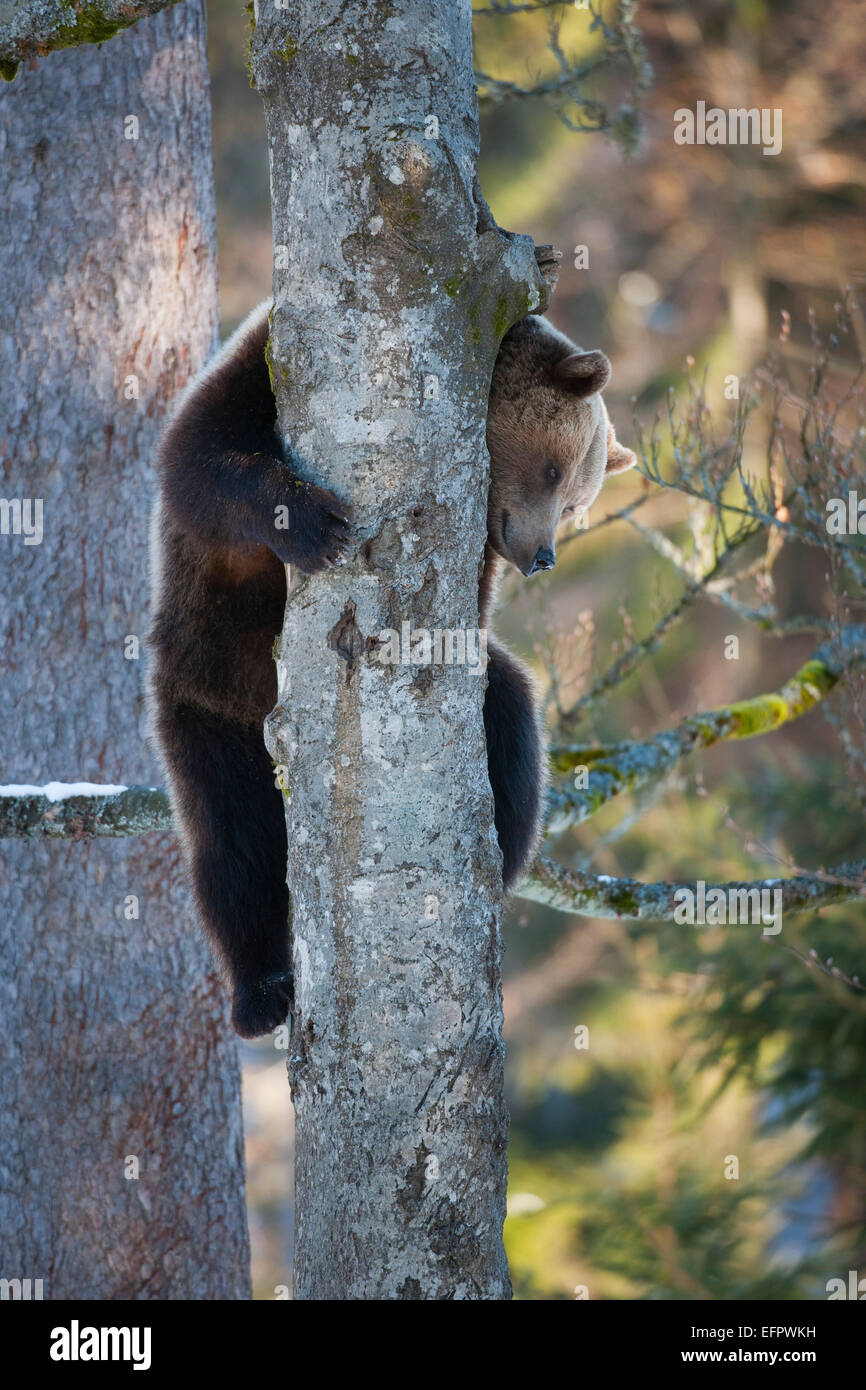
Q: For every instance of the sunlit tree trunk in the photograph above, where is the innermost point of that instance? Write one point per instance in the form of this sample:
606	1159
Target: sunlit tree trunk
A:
391	293
121	1164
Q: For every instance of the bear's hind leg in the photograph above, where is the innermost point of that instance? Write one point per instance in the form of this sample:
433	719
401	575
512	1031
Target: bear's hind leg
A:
514	760
232	819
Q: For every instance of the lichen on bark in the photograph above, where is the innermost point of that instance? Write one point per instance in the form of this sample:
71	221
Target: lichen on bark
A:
381	372
34	28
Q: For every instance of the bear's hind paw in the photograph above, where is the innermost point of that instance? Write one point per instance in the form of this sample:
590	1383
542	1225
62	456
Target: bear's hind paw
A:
261	1007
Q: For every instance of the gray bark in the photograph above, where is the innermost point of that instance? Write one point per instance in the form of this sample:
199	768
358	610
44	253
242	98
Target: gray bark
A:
386	326
35	27
115	1041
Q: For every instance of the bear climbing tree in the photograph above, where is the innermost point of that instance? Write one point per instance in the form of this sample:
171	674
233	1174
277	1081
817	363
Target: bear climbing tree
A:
393	288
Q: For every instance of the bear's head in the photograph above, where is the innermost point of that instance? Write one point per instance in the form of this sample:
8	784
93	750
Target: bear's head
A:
550	441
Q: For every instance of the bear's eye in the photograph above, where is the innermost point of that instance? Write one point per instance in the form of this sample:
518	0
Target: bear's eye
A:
552	474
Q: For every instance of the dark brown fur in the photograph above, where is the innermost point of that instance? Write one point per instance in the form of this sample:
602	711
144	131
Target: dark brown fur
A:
220	592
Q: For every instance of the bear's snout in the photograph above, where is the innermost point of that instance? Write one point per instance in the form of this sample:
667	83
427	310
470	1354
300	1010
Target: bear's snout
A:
544	559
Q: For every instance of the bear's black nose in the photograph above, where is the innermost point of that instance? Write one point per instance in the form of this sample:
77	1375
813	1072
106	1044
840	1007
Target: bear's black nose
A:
544	559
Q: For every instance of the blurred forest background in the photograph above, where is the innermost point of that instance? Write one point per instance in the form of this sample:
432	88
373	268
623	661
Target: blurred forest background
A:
704	1043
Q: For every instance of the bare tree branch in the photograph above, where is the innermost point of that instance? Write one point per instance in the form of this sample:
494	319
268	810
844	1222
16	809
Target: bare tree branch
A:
508	7
621	43
596	895
629	766
31	28
132	811
637	651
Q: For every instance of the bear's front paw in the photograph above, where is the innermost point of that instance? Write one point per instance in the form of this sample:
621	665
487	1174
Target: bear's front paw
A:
321	530
261	1007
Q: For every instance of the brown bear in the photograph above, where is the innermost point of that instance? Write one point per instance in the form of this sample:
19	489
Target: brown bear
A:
220	590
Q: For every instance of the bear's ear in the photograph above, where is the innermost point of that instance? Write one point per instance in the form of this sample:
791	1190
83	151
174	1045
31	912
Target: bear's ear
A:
619	459
582	373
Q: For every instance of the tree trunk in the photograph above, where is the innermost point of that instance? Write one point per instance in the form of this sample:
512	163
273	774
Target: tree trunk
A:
120	1121
387	319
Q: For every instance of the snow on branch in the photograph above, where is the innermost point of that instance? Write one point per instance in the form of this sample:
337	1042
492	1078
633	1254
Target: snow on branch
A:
81	810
